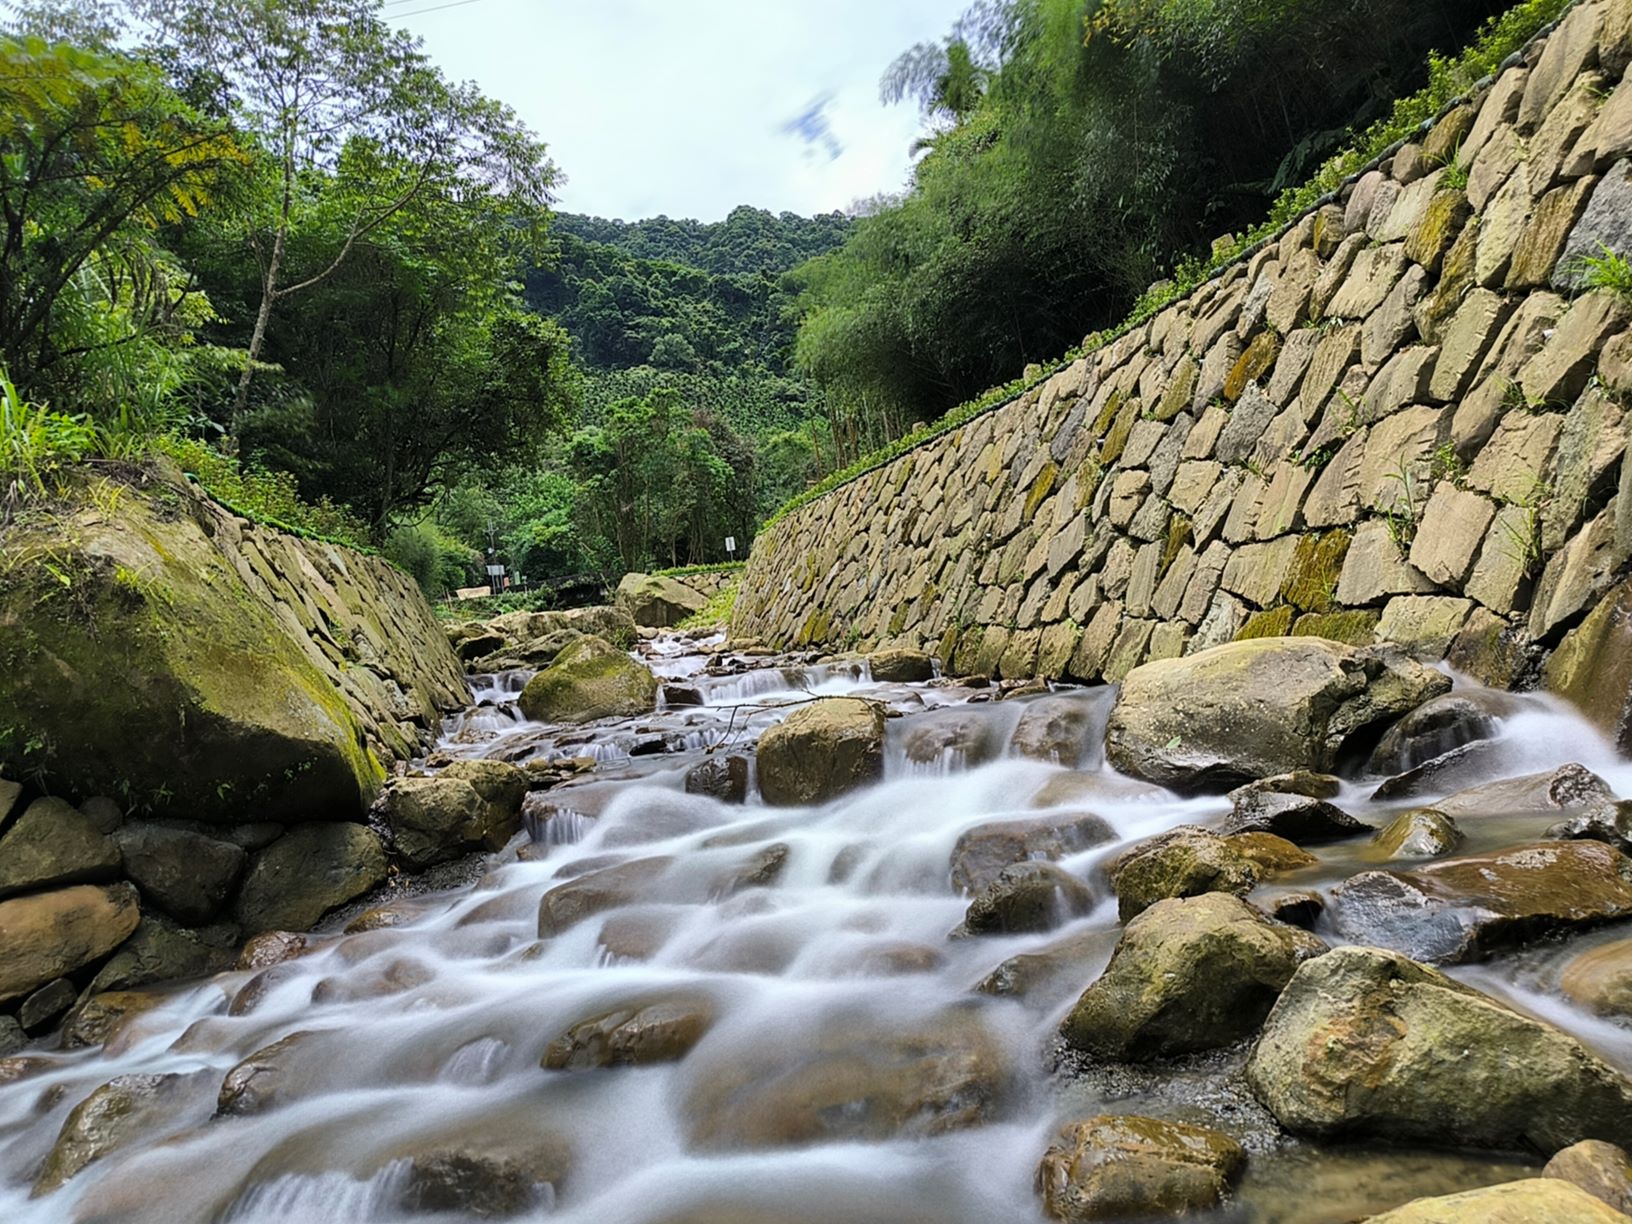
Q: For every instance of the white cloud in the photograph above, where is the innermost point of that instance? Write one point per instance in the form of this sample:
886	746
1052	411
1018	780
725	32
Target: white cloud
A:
683	107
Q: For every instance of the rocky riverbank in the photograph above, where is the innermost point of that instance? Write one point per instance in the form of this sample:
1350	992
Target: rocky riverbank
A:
1198	944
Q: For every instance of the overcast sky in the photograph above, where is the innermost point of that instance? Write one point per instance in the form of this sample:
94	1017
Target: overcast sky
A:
691	107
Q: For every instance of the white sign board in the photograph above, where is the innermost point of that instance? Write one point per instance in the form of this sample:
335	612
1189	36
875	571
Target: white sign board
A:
730	544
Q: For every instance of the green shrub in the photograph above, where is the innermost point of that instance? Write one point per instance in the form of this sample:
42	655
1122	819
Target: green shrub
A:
36	443
272	498
430	556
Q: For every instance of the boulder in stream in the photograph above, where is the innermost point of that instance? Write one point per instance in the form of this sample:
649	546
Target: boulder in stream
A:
1436	727
1183	862
1600	980
1029	896
1602	1169
99	1018
657	602
1055	730
47	935
663	1030
985	850
1419	833
821	751
1120	1167
1188	974
119	1113
958	737
1464	909
900	665
1567	788
1367	1043
1535	1200
432	820
590	679
307	872
1252	709
1298	818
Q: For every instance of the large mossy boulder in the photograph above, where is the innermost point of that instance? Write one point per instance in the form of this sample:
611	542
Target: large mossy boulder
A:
656	602
470	805
1367	1043
590	679
821	751
1188	974
1257	708
159	649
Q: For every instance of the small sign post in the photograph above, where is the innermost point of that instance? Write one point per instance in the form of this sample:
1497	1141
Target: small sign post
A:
731	547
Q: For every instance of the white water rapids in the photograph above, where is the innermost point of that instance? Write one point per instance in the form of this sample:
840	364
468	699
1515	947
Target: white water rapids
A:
430	1034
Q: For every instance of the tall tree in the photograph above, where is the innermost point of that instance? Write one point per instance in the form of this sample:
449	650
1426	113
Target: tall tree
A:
327	85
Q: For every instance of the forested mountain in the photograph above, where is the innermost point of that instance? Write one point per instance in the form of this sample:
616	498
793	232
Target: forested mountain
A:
748	241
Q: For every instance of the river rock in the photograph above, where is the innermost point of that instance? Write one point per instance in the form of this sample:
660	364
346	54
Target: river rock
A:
502	786
1435	728
12	1039
657	602
1297	818
47	935
187	875
119	1113
272	948
719	777
855	1079
1537	1200
51	844
596	892
821	751
162	951
495	1176
1056	968
632	1036
1184	862
433	820
1188	974
96	1019
1602	1169
950	739
1269	853
1600	980
590	679
985	850
10	795
1464	909
1608	823
1053	729
307	872
1365	1042
1121	1167
45	1005
1028	896
265	1079
1251	709
1561	789
900	665
1419	833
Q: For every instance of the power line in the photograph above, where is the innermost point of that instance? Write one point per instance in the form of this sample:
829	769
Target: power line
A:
435	8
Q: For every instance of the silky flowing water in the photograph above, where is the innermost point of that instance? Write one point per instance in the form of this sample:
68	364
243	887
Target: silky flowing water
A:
430	1034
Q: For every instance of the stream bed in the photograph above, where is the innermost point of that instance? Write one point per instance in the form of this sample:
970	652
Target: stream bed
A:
855	1063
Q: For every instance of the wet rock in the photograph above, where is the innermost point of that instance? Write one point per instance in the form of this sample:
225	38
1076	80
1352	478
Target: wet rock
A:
475	647
1305	782
1601	1169
855	1079
1435	728
162	951
897	959
188	876
1297	818
1365	1042
657	602
982	852
1464	909
503	787
1537	1200
1419	833
307	872
51	934
262	1080
384	917
1600	980
632	1036
1057	967
1188	974
899	665
1609	823
1184	862
432	820
1449	771
485	1180
1029	896
1124	1167
1055	730
12	1039
1300	907
375	981
51	844
1569	786
1269	853
589	680
45	1005
100	1016
596	892
122	1111
1252	709
719	777
821	751
272	948
951	739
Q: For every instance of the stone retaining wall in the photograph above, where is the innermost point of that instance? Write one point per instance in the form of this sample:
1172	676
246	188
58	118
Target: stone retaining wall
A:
1404	420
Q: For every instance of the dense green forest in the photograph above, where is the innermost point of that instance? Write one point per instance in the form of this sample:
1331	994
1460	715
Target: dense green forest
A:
1075	151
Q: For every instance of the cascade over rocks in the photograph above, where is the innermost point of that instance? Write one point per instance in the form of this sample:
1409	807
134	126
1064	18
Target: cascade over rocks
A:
1189	974
1026	896
1465	909
1257	708
1357	1045
982	852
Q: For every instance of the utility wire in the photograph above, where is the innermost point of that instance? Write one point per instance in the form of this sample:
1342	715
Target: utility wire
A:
435	8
